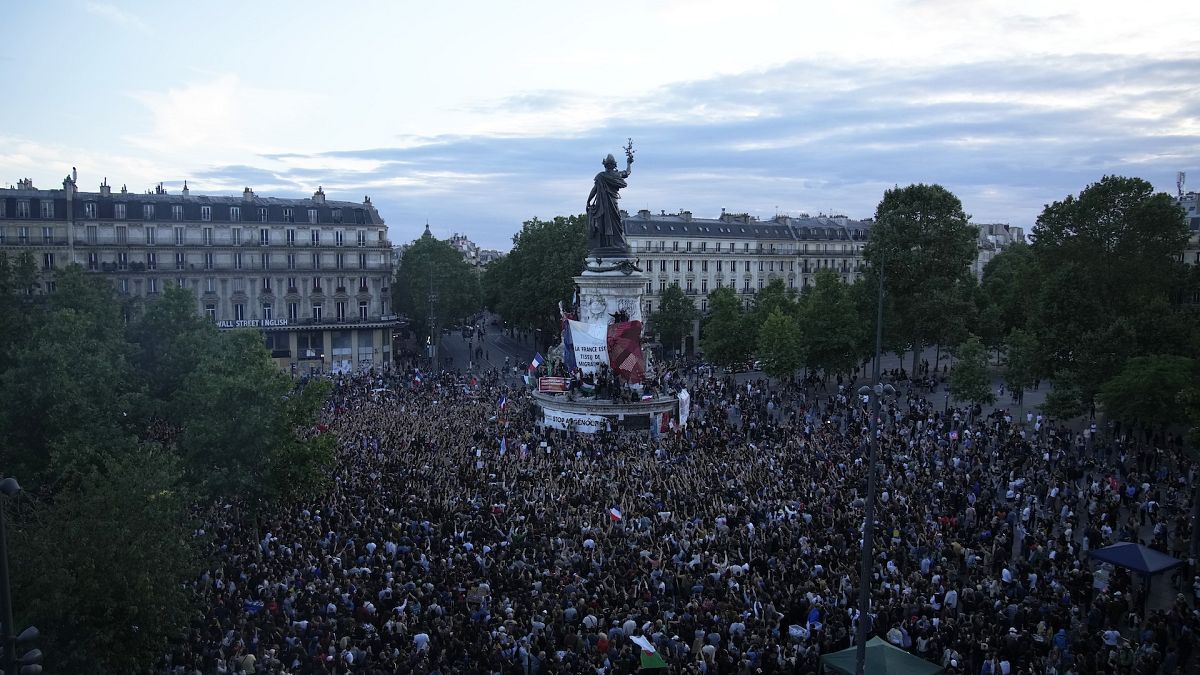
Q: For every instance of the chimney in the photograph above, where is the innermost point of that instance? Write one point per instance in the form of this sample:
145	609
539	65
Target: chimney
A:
185	189
366	201
319	195
687	216
644	214
124	189
105	190
158	189
247	194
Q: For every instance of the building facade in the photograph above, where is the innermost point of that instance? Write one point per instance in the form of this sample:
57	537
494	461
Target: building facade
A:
1190	203
312	274
992	240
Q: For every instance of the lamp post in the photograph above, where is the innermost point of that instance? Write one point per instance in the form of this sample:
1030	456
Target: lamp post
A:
864	582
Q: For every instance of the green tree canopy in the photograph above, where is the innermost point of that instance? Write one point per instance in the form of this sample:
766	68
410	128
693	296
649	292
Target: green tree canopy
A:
673	318
724	334
1021	361
831	326
526	285
779	345
970	381
434	266
1150	390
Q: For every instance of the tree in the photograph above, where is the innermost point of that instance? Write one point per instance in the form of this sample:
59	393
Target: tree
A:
434	266
774	296
831	327
673	319
526	286
779	345
923	240
1149	390
1093	253
724	335
1009	281
969	381
171	340
1021	361
100	570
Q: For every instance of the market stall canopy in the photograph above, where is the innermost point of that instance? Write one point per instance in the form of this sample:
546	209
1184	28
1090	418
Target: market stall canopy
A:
1135	557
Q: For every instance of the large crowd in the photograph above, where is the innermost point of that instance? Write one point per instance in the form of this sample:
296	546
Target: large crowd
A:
459	537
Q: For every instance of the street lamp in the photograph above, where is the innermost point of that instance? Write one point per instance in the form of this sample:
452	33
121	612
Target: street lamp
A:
30	661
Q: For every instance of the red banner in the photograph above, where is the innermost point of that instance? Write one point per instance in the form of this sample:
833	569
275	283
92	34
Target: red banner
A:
552	384
625	350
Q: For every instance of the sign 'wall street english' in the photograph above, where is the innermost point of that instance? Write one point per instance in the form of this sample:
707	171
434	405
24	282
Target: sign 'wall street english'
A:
590	342
253	323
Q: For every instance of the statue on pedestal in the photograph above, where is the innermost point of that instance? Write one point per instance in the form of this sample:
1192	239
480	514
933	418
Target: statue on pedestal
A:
606	232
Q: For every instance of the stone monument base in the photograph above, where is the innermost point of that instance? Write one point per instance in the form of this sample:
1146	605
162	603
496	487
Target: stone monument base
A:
608	286
591	415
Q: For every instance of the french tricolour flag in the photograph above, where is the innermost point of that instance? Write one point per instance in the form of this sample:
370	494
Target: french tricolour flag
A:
502	402
537	361
615	514
417	376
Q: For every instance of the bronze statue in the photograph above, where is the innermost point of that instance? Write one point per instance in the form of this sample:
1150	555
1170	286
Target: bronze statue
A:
606	232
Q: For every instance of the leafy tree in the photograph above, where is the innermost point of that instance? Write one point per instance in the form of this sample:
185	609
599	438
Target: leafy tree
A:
434	266
99	569
1149	390
831	327
774	296
673	319
780	346
969	381
1022	358
171	340
1093	252
1009	281
526	285
724	335
922	239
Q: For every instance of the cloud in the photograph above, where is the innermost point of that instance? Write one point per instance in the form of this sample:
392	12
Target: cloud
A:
115	14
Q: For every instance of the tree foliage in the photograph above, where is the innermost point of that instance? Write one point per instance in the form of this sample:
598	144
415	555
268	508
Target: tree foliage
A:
434	266
831	326
674	316
1151	391
970	381
780	345
725	334
526	285
1019	367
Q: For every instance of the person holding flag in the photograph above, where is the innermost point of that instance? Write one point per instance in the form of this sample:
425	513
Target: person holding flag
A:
651	659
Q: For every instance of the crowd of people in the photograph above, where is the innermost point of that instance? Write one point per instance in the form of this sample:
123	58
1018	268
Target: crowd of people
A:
460	537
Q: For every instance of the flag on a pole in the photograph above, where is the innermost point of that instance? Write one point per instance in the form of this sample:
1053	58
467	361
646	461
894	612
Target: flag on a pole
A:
537	361
615	514
568	346
417	376
503	447
650	656
502	402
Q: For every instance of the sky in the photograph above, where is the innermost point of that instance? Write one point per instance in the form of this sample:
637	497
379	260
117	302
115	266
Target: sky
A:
477	116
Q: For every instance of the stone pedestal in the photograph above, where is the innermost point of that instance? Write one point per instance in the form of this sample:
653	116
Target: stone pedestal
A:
608	286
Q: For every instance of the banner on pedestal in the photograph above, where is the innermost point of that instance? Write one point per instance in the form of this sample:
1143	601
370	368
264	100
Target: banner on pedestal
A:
625	350
589	343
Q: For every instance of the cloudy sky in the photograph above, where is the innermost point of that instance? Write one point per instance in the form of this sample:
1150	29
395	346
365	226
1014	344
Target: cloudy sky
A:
475	116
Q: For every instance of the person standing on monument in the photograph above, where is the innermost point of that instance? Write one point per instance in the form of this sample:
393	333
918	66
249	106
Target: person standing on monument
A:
606	233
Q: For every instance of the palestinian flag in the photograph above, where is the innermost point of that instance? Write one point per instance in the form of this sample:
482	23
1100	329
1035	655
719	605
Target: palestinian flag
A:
650	656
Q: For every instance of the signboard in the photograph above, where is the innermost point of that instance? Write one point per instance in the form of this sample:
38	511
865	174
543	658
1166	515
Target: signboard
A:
253	323
563	419
590	344
552	384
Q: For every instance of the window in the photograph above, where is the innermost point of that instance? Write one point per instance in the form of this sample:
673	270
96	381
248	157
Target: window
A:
340	307
316	237
291	261
287	215
266	261
291	284
266	284
235	235
152	285
89	210
180	261
341	284
205	213
291	236
23	235
262	215
239	311
177	212
93	261
180	236
690	289
316	311
362	238
122	234
689	266
704	289
650	289
662	287
237	260
47	208
704	246
674	246
341	260
362	261
316	260
208	236
47	261
662	265
362	310
719	266
122	260
337	215
210	285
210	311
151	261
147	212
266	311
676	265
718	247
235	214
760	265
704	268
362	283
208	261
123	285
180	283
316	284
119	211
689	246
338	237
760	285
239	285
151	236
293	311
747	265
22	208
47	235
264	236
745	248
312	216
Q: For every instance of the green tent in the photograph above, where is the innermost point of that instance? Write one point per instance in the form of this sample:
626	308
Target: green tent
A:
882	659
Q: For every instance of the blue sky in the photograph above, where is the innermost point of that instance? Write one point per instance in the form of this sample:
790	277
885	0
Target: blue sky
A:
477	116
